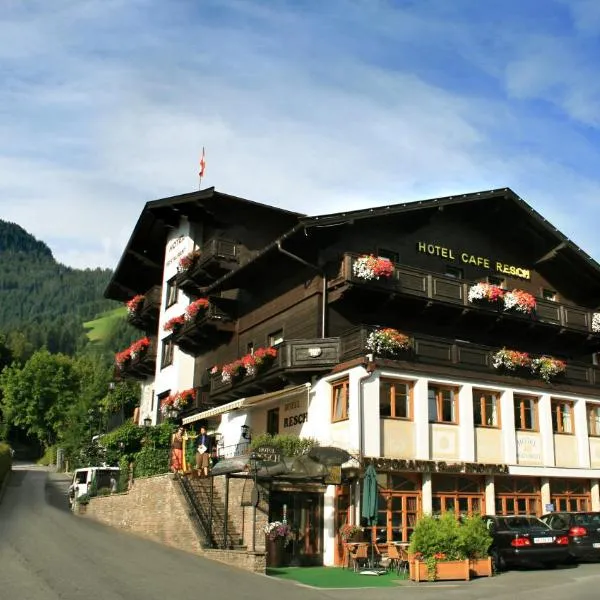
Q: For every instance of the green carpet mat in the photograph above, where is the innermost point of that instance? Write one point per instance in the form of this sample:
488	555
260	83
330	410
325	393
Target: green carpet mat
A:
335	577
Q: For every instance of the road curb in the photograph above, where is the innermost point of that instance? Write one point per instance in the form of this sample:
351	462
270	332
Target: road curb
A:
4	485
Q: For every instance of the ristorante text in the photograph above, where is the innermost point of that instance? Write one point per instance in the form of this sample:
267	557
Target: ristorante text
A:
472	259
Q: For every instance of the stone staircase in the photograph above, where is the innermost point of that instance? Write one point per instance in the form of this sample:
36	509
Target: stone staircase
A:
212	522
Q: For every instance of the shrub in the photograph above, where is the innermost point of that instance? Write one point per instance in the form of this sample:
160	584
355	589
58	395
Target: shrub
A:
83	499
474	537
151	461
123	474
49	457
5	460
289	445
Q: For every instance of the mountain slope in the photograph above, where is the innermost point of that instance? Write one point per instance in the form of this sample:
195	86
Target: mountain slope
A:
43	301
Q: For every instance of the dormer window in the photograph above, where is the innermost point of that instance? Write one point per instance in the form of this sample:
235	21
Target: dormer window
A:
549	295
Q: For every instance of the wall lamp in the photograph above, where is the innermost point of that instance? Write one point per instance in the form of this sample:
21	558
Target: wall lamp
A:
147	422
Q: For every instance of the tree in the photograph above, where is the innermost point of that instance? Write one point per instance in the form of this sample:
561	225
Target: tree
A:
38	396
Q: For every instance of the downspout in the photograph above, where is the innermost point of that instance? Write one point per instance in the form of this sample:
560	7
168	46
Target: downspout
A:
361	424
323	276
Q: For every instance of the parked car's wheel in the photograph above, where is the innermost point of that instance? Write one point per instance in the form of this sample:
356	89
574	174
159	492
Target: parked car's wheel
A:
498	562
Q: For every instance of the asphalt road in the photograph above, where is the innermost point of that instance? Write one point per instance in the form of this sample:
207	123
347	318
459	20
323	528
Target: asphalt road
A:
46	553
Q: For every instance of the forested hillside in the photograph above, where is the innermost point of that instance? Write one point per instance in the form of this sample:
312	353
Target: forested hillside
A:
44	303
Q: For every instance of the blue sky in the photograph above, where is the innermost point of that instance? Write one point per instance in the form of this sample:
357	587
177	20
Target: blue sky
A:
309	105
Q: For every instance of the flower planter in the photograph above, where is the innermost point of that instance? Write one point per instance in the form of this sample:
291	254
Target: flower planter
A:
81	509
481	567
446	570
275	553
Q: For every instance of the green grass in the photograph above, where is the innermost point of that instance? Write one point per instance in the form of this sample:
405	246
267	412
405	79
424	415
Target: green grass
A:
335	577
99	327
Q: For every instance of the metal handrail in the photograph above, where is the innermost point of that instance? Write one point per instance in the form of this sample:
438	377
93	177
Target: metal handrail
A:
203	521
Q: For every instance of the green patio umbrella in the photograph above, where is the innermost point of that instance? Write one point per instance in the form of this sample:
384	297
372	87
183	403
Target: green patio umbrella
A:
369	496
369	503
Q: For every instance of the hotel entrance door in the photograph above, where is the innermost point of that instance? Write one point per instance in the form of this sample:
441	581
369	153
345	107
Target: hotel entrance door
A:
304	514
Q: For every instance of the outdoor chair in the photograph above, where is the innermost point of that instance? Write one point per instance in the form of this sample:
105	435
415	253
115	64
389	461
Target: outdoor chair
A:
359	555
394	558
404	560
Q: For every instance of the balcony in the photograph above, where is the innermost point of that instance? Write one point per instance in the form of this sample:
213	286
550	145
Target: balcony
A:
217	257
141	366
295	360
434	354
208	328
146	316
439	291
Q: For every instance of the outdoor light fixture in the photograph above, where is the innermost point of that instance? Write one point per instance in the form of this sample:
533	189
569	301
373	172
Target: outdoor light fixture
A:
246	432
147	422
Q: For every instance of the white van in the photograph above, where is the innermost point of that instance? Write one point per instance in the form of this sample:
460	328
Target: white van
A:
104	477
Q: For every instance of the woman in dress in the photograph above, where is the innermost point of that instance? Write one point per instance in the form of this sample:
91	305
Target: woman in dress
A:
177	451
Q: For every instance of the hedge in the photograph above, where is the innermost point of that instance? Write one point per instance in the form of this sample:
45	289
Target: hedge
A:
151	461
5	460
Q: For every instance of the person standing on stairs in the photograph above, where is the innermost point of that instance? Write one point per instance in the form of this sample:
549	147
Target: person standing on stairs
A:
203	452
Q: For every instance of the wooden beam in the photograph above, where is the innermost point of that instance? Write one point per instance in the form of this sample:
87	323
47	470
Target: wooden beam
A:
552	254
146	261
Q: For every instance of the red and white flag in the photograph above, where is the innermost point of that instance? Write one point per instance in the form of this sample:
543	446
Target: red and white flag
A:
202	164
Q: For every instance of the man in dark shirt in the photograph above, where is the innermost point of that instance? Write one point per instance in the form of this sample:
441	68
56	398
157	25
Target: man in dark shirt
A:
203	452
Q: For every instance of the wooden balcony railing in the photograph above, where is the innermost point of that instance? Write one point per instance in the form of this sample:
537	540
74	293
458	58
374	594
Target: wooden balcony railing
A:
141	366
293	356
217	257
146	318
447	290
429	350
205	331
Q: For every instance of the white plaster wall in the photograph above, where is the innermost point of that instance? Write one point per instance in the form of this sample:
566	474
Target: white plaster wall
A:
147	400
329	526
180	374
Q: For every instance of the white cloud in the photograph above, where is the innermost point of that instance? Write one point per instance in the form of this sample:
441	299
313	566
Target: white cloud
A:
291	109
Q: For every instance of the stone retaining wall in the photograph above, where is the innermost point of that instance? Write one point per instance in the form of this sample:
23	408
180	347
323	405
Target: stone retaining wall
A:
155	508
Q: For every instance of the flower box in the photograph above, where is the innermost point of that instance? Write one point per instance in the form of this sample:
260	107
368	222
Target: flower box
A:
481	567
371	267
445	570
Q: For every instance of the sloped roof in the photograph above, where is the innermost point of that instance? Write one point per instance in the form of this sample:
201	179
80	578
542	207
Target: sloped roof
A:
558	245
141	264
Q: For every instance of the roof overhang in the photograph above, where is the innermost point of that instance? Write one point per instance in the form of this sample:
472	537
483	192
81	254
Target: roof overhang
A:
249	401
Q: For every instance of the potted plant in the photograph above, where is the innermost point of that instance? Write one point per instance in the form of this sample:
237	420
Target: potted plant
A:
511	360
475	540
232	372
388	342
188	261
372	267
135	304
437	551
139	347
350	533
264	357
174	323
519	301
122	358
548	367
197	306
278	536
483	292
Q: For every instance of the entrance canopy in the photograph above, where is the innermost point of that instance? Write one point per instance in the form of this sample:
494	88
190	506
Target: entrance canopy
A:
250	401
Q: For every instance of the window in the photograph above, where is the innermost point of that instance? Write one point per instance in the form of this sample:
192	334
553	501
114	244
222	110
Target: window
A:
395	399
562	416
549	295
454	272
462	495
496	281
389	254
443	405
486	408
273	421
517	496
593	412
166	358
159	398
276	338
171	292
525	413
571	495
340	401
